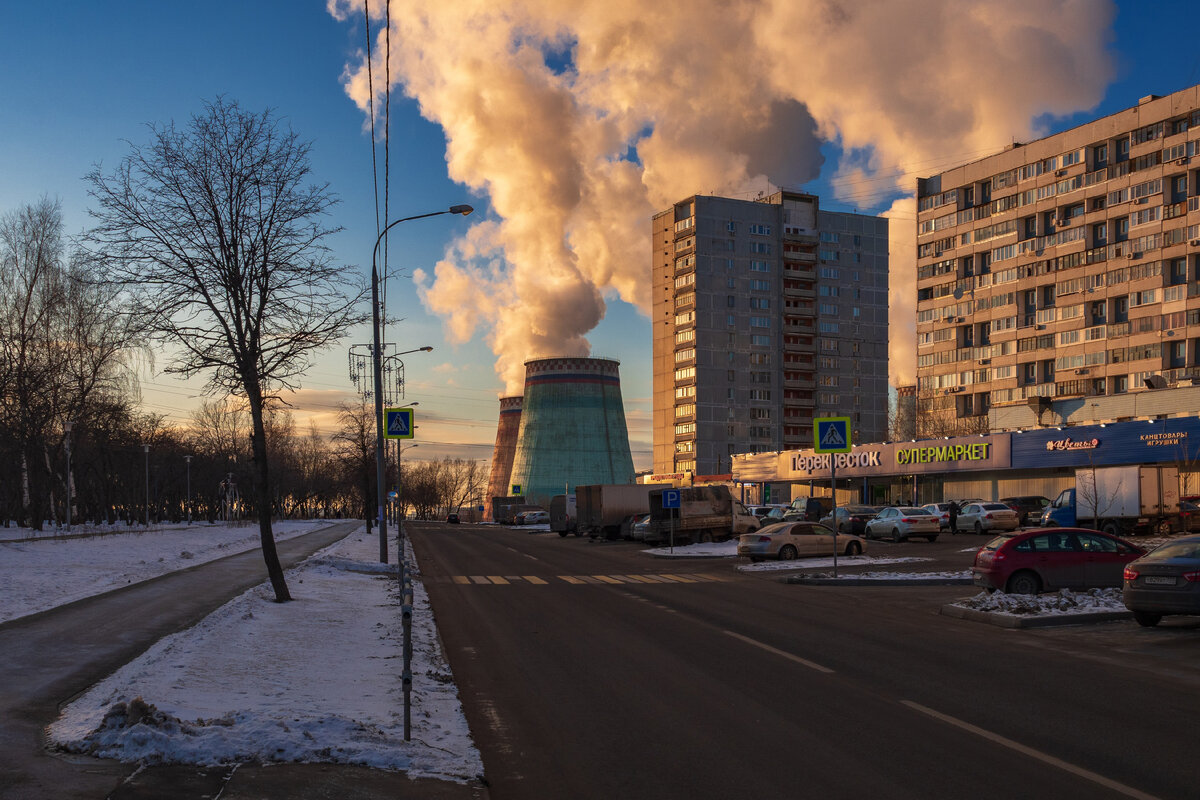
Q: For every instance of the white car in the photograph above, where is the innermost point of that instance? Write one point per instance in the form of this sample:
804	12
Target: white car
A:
901	523
534	518
984	517
941	511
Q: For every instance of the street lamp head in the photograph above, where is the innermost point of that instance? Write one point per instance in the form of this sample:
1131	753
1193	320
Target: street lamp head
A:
426	349
463	209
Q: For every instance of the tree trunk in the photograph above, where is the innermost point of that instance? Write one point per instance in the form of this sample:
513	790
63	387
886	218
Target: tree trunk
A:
262	497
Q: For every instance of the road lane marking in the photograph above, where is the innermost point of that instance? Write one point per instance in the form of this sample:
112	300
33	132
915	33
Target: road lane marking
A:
607	579
496	579
789	656
461	579
534	579
680	578
570	579
594	580
480	579
1108	783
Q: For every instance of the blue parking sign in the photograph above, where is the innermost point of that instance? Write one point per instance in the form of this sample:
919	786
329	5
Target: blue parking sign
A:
670	498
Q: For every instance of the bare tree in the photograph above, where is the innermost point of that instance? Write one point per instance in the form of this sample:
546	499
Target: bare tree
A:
217	240
354	443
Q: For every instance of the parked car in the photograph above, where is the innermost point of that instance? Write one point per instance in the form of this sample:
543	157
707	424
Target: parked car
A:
981	517
941	511
902	522
1189	516
1029	508
851	519
762	512
638	529
537	517
1164	581
811	508
1050	559
452	519
790	540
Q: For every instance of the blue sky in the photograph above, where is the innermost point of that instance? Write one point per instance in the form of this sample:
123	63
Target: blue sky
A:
78	78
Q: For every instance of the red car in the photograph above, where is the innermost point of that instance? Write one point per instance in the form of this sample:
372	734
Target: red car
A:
1052	558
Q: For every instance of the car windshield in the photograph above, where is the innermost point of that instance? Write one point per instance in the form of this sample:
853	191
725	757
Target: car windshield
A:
778	527
995	507
1189	549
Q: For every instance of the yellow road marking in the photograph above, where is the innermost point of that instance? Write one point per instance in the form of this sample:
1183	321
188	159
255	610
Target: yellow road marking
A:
496	579
460	579
680	578
534	579
480	579
607	579
571	579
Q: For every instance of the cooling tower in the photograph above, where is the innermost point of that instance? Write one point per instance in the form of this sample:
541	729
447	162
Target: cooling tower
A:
502	456
572	428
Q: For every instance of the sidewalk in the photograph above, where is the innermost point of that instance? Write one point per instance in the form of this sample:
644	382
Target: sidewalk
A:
50	657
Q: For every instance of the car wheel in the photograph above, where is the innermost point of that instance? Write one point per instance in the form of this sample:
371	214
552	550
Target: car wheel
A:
897	537
1147	620
704	537
787	553
853	549
931	538
563	534
1023	582
978	528
1112	529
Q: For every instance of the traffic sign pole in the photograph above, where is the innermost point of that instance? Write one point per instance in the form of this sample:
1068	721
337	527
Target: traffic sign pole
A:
832	435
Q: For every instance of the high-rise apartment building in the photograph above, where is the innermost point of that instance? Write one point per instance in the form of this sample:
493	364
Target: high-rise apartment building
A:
1063	268
766	313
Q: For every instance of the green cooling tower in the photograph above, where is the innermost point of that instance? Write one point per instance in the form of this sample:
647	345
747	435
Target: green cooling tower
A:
572	428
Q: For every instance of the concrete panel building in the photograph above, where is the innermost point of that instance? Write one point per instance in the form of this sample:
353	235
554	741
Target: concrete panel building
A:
765	314
1058	277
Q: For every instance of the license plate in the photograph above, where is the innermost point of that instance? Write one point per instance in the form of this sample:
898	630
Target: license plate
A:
1157	580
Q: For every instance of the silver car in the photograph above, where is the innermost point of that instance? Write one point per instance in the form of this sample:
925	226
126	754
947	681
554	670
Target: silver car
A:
984	517
903	522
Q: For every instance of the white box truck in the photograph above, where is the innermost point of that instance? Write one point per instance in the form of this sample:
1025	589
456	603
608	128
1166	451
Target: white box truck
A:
705	514
1122	501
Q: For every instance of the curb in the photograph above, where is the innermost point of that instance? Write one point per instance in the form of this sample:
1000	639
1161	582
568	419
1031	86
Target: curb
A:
1014	621
815	581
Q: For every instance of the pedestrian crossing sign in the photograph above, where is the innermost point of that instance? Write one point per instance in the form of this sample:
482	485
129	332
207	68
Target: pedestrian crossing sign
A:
832	434
398	423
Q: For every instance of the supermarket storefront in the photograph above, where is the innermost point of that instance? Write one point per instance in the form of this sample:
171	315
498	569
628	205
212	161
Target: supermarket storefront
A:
1033	462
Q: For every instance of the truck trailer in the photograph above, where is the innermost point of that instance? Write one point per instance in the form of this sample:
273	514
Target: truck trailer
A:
705	514
602	507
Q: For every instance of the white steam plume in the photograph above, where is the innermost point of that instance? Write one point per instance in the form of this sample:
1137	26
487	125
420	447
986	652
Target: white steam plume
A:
582	119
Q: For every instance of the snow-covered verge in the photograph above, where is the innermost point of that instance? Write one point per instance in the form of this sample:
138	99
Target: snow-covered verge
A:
1063	602
47	572
880	575
313	680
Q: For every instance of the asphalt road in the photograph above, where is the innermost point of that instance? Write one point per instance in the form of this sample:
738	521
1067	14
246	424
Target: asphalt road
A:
589	670
48	658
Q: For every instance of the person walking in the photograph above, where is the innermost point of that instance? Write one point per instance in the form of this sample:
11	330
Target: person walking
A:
953	510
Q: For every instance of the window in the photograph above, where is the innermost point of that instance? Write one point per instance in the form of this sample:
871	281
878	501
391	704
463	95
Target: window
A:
761	303
760	266
685	428
684	392
829	308
760	286
685	336
828	327
760	341
685	318
683	373
685	280
760	394
761	230
760	322
760	247
687	354
685	410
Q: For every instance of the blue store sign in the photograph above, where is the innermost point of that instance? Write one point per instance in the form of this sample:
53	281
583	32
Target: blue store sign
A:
1171	441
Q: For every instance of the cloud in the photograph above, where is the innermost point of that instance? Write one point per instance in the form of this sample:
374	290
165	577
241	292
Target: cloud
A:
579	121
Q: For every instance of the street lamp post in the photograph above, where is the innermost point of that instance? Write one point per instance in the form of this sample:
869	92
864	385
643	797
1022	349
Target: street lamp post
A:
377	358
146	450
67	430
188	459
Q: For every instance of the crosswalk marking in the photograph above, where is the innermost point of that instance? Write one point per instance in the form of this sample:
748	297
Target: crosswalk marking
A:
594	580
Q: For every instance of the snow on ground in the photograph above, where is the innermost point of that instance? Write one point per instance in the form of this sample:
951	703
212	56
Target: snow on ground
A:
821	563
1062	602
313	680
44	572
896	576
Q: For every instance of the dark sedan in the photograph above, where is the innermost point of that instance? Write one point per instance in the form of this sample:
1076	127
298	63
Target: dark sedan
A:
851	519
1164	581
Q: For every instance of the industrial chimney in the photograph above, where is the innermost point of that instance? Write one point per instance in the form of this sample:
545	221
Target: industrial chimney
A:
502	455
573	429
